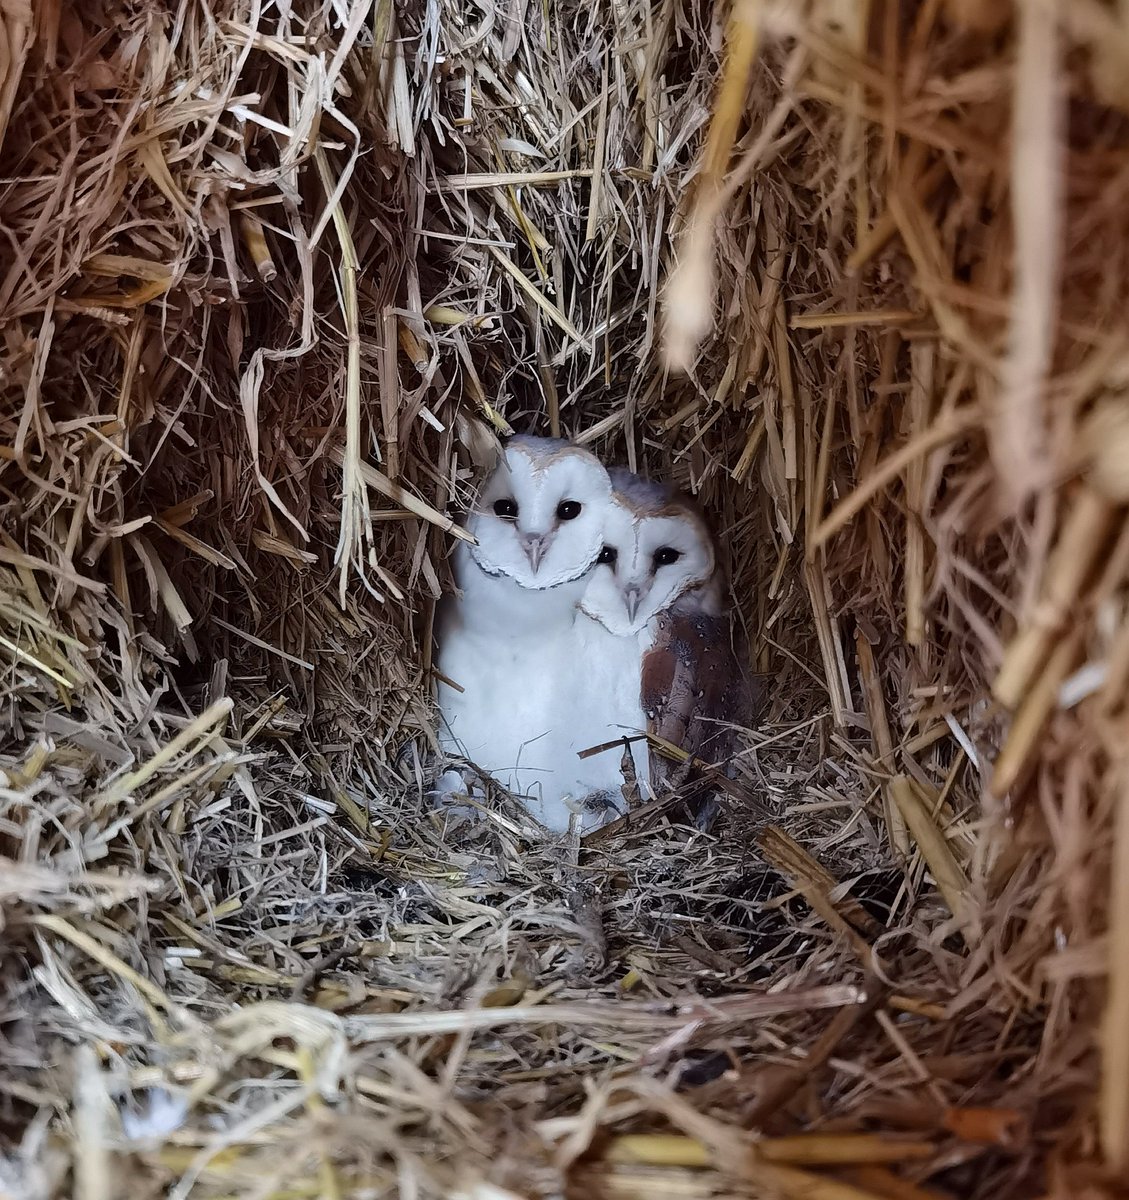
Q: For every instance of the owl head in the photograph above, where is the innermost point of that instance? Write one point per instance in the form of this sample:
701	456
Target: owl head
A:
539	518
657	550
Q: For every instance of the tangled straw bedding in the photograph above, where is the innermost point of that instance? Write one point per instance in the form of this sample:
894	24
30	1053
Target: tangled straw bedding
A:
275	275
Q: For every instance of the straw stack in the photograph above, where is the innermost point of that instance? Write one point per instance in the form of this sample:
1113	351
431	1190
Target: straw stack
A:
276	278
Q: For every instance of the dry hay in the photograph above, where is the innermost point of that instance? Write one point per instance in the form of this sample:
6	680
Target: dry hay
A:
270	273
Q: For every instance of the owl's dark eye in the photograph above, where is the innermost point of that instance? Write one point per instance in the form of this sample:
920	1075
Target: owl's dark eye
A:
608	555
665	555
568	510
506	509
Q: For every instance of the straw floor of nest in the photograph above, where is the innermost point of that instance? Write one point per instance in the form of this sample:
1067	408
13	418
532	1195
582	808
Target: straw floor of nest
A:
275	277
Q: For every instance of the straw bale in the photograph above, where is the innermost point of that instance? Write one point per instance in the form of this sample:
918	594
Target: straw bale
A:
275	279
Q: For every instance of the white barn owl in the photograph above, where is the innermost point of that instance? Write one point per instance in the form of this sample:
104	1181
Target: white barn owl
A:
659	634
510	639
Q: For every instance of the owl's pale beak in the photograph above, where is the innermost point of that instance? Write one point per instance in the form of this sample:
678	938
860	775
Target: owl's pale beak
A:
535	545
631	597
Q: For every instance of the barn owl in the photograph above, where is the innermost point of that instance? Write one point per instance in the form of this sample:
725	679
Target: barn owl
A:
509	641
658	633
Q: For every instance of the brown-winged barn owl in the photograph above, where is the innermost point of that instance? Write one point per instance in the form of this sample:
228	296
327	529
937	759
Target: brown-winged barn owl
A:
659	639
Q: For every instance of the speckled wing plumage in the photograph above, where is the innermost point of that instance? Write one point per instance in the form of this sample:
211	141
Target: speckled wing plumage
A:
694	687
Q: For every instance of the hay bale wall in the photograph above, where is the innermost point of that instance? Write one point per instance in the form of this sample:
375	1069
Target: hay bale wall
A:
270	272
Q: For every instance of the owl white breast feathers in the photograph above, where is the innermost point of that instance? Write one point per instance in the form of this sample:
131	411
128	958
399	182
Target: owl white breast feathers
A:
509	640
659	625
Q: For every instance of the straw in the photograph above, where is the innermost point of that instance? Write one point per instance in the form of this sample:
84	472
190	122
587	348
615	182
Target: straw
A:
278	280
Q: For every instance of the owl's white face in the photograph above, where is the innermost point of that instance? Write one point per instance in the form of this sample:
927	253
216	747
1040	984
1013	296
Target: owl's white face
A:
540	517
646	563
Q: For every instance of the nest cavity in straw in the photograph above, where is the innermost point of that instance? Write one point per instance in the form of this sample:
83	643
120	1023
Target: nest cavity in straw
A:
276	278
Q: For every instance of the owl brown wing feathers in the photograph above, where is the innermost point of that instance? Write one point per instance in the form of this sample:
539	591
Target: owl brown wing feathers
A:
693	687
